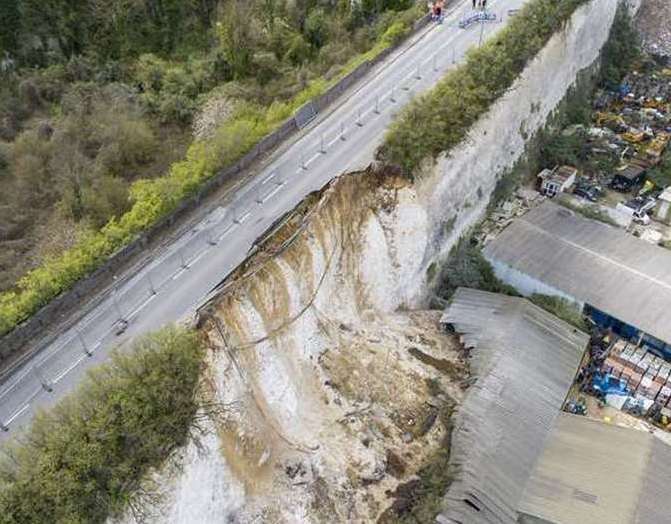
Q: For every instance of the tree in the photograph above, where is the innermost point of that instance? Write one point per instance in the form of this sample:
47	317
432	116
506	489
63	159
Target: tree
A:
235	36
9	27
661	174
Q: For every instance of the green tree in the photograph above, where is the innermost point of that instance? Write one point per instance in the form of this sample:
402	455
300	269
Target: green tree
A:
621	49
85	460
660	175
235	37
9	27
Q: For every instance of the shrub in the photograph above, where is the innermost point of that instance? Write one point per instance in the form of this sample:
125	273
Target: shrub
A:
85	459
395	33
561	308
440	119
298	50
466	267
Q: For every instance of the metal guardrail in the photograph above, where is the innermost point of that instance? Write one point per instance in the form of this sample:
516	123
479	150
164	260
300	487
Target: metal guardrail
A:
475	17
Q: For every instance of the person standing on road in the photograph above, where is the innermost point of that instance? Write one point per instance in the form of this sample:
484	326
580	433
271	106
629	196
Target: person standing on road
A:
474	4
439	11
484	4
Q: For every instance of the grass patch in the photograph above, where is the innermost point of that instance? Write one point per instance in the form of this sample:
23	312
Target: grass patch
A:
85	460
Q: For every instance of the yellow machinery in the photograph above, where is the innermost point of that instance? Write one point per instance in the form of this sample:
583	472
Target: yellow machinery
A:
658	145
609	120
634	138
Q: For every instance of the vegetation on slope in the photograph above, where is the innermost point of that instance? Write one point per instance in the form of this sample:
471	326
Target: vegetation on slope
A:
439	120
561	308
84	460
87	110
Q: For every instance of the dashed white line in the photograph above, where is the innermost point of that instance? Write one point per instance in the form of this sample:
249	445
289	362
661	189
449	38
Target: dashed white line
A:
70	368
16	415
271	194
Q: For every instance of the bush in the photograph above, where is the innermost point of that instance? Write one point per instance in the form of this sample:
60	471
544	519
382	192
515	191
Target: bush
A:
466	267
660	175
395	33
440	119
85	459
565	149
561	308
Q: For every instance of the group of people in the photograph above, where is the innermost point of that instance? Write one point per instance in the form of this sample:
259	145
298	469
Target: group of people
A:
437	7
479	4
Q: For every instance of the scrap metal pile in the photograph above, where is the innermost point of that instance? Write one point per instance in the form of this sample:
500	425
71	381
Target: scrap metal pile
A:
631	378
633	124
654	24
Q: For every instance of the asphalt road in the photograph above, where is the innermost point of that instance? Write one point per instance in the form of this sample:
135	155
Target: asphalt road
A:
171	287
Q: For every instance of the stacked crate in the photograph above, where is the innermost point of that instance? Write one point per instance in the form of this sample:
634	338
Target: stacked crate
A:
645	373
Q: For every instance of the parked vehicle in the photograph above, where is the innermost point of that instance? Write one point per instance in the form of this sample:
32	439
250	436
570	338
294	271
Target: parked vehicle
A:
638	209
587	192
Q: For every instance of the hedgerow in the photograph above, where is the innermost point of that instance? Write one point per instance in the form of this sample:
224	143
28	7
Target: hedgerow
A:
86	459
440	119
155	198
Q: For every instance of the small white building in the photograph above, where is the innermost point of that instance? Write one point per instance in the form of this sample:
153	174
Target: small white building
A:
557	180
663	208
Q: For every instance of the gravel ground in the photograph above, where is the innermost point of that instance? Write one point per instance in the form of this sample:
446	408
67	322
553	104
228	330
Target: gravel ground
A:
654	22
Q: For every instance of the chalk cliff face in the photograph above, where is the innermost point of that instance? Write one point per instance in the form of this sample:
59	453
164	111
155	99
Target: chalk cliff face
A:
327	376
327	394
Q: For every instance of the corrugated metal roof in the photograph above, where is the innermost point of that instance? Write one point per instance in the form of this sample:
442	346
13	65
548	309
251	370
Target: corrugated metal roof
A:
523	361
593	262
591	472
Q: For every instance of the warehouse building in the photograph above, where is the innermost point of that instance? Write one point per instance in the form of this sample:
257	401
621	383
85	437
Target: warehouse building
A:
515	457
595	472
620	281
523	361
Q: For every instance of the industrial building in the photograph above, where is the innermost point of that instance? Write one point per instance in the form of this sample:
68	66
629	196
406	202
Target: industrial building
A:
620	281
523	361
515	456
595	472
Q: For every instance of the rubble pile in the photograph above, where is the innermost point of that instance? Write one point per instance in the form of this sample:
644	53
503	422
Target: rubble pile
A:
522	201
654	24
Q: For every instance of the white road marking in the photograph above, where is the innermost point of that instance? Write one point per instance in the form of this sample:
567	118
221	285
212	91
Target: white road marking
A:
16	415
271	194
70	368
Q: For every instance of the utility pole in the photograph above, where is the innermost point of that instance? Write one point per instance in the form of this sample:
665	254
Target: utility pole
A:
483	17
